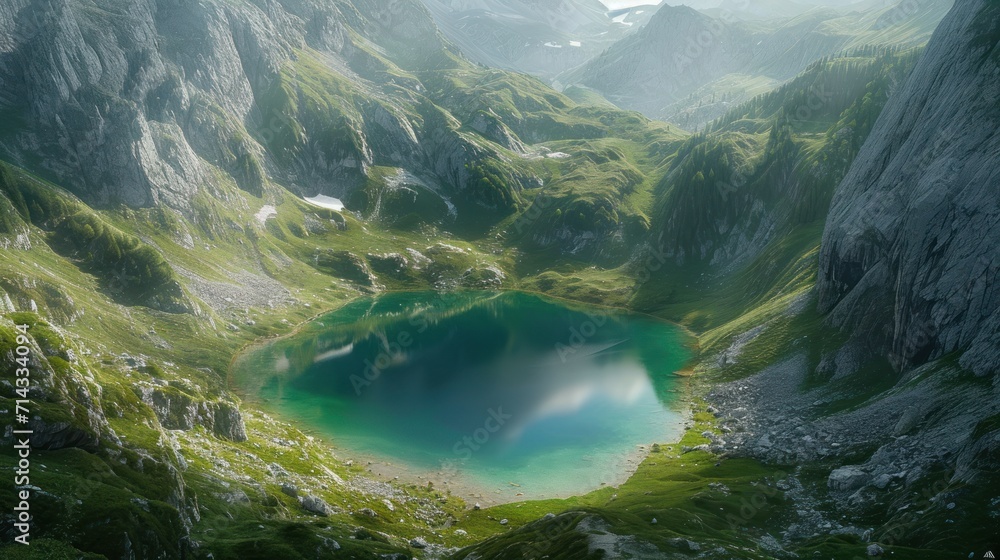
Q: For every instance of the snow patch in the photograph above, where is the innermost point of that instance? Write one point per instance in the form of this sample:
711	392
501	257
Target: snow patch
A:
621	19
327	202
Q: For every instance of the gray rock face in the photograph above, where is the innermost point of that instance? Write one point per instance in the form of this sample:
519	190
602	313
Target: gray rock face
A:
491	126
909	257
83	425
229	422
316	505
146	102
177	410
846	479
64	61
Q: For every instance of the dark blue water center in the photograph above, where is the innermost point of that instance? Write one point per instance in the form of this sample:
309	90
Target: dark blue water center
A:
483	389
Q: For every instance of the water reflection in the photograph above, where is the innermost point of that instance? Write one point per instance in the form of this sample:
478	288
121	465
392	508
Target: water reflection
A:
503	385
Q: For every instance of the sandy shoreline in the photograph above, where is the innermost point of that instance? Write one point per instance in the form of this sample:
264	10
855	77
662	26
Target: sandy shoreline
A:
486	495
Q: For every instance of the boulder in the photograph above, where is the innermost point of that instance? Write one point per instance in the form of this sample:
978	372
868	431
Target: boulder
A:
316	505
846	479
685	544
290	489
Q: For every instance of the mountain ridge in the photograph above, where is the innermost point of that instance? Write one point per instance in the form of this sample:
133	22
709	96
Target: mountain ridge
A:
730	57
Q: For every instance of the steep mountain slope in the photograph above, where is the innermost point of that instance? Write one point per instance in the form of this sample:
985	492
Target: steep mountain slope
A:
770	165
910	248
689	68
879	396
147	103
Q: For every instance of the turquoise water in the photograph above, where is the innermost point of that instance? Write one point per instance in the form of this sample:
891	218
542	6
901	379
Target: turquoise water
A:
497	392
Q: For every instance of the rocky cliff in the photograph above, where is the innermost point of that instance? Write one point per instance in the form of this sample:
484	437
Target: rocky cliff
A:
893	410
909	260
153	102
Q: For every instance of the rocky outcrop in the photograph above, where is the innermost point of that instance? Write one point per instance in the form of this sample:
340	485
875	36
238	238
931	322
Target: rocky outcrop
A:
176	410
847	479
316	505
491	126
345	265
392	264
909	261
66	411
228	422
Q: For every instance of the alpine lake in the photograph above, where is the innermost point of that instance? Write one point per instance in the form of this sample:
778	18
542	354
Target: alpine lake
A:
496	395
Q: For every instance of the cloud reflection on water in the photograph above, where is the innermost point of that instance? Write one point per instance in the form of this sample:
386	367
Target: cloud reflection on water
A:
443	369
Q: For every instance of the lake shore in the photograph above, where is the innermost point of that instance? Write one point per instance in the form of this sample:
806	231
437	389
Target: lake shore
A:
488	494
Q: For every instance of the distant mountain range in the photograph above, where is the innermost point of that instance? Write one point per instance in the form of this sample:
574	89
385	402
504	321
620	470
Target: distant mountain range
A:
688	67
539	38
